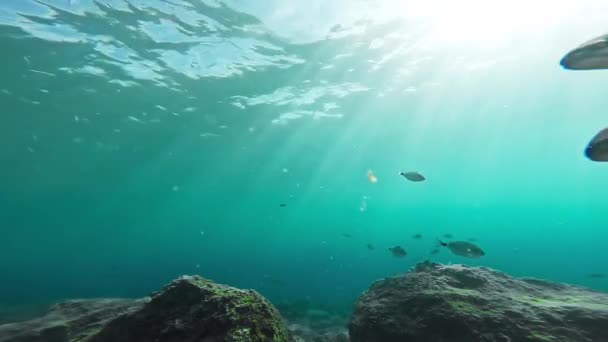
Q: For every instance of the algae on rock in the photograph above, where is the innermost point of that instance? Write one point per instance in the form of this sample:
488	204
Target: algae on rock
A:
457	303
195	309
190	309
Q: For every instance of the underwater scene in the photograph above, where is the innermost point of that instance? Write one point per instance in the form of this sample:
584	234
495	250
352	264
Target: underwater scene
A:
346	170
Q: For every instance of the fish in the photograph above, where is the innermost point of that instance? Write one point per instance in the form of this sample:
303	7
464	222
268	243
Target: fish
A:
597	275
597	149
398	251
463	248
413	176
448	236
591	55
472	240
417	236
282	205
371	177
370	247
435	251
346	235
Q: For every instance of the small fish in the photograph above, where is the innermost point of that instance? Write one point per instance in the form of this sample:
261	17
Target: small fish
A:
370	247
463	248
417	236
472	240
371	177
435	251
448	236
591	55
597	149
398	251
346	235
283	205
597	275
413	176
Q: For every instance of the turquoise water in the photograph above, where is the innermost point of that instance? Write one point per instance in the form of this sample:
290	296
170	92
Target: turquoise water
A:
144	140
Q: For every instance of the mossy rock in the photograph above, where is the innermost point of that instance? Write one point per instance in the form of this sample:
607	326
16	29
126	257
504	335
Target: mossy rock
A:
457	303
70	321
540	337
196	309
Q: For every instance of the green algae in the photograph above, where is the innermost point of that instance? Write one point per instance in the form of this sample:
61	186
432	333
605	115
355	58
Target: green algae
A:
464	307
260	320
454	290
202	306
552	302
540	337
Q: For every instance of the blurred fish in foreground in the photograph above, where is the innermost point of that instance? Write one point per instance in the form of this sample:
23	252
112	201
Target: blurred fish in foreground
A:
592	55
597	149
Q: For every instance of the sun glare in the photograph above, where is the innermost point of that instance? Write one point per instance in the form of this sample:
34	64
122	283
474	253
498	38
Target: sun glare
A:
477	21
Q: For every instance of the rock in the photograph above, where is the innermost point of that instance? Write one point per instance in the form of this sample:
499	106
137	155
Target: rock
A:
73	320
457	303
341	337
318	317
332	337
187	310
315	322
195	309
301	333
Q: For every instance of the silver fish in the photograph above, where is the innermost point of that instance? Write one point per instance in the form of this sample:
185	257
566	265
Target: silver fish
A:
597	149
463	248
413	176
592	55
